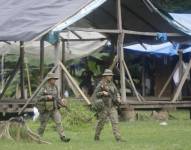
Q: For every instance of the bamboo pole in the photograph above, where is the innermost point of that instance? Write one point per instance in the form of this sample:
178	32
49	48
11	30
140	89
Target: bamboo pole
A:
74	82
120	51
62	72
116	31
41	59
143	77
122	70
180	53
22	82
113	63
2	71
182	81
28	79
70	84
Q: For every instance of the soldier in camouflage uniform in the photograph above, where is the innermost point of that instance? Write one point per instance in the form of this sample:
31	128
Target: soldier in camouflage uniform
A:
106	99
48	106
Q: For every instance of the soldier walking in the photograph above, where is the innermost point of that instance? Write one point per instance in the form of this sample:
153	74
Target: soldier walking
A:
48	105
107	99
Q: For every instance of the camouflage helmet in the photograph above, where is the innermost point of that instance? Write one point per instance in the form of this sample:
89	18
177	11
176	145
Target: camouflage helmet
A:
52	76
107	72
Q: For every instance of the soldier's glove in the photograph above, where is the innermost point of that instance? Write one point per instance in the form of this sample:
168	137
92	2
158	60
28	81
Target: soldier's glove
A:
105	93
49	97
62	102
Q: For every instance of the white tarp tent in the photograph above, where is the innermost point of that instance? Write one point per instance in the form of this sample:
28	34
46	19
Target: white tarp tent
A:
74	49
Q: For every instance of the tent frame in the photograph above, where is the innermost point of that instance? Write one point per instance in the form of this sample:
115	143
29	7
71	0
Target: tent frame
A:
120	53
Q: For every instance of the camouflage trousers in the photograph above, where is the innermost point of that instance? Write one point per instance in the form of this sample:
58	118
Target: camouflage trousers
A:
102	118
44	118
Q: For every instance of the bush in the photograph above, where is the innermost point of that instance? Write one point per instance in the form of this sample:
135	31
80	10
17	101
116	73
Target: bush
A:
77	114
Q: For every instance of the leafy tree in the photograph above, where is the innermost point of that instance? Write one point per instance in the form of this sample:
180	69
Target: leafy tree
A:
178	6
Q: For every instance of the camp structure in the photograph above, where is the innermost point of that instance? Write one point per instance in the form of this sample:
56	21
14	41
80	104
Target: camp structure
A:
122	21
161	60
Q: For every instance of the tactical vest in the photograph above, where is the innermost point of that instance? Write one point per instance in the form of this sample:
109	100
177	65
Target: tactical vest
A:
48	105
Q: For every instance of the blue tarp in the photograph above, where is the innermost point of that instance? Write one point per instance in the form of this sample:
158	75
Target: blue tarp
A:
167	49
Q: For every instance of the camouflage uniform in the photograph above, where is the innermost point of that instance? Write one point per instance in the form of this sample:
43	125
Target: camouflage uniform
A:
49	109
109	109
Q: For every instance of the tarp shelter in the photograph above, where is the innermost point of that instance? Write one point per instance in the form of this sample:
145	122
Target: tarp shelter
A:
183	19
73	47
142	20
27	20
165	49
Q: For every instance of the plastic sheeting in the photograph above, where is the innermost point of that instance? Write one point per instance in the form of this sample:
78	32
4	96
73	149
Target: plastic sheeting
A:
183	20
160	49
74	50
24	20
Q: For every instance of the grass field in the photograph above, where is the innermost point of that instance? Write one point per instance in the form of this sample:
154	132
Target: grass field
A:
140	135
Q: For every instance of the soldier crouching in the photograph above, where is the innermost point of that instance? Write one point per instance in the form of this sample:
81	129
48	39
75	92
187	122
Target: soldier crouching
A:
48	105
106	101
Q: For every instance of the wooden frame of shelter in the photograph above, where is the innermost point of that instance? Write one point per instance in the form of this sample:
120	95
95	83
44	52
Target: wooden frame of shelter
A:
141	103
120	32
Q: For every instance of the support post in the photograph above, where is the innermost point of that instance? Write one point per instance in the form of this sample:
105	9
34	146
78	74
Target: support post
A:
28	79
56	53
41	59
122	70
180	70
63	81
22	70
2	72
182	81
56	60
143	77
120	51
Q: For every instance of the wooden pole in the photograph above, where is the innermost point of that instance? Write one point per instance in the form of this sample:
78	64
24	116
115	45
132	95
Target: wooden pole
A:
182	81
41	59
63	88
122	70
168	81
120	51
119	17
113	63
22	82
180	70
56	53
127	32
131	81
37	90
2	72
143	77
28	79
74	82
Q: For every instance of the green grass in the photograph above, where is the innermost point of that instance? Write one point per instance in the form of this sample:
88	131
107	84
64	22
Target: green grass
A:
140	135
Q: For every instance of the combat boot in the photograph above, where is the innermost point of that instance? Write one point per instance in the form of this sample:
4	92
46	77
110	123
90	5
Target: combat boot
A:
121	140
96	138
65	139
